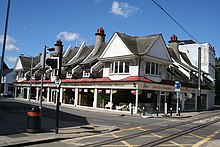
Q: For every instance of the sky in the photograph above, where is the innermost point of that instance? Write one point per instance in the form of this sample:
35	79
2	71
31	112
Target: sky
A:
35	23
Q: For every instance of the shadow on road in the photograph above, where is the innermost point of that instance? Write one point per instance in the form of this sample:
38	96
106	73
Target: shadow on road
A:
13	118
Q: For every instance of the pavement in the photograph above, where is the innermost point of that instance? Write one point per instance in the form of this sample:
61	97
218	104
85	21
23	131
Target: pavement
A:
13	127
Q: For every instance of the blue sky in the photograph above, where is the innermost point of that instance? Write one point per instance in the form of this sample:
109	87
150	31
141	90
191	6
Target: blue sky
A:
36	23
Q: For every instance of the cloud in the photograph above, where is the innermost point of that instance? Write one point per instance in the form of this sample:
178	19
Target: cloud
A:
10	43
123	9
68	36
12	59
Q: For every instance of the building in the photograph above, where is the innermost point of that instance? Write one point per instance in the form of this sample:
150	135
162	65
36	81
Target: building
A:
126	73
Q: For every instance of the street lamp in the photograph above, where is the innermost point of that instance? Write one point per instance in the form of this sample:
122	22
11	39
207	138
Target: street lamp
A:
31	72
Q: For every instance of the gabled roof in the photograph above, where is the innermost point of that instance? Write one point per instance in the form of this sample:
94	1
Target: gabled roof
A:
84	53
94	57
72	52
139	45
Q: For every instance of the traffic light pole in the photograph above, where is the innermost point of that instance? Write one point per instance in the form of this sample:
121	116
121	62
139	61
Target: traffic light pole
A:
60	54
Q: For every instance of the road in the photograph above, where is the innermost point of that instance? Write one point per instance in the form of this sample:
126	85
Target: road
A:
134	130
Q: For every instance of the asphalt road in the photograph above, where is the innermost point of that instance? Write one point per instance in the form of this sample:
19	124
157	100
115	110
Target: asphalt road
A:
71	116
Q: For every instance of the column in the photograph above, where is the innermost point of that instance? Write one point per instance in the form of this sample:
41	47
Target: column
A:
61	95
28	94
76	96
48	94
111	98
136	102
95	98
37	94
15	92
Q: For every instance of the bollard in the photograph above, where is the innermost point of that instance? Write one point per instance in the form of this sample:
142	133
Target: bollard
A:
171	111
143	111
131	109
179	111
157	108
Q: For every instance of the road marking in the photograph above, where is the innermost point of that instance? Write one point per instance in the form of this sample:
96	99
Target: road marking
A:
156	135
206	139
200	137
122	141
100	135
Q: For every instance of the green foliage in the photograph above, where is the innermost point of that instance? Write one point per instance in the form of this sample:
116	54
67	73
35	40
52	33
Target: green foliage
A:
217	80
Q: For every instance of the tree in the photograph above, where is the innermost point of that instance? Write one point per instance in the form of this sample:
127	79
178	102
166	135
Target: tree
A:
217	80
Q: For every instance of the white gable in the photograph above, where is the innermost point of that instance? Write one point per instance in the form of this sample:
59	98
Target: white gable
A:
116	47
18	65
159	50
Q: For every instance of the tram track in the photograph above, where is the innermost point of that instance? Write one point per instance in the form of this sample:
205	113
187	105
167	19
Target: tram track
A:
202	123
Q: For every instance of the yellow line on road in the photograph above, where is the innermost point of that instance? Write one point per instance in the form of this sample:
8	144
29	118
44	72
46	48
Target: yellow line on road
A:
124	142
206	139
200	137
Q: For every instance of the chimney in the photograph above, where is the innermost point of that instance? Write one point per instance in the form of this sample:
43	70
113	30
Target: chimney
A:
100	37
174	44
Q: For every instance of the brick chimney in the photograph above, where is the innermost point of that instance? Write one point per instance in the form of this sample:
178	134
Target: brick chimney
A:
174	44
100	37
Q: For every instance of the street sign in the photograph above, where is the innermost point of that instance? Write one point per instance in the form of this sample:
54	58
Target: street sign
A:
177	86
57	82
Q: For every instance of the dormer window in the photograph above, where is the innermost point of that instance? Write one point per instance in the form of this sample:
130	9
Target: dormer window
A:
86	74
119	67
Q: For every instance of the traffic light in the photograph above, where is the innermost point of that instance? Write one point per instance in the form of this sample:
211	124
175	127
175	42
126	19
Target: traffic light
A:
52	62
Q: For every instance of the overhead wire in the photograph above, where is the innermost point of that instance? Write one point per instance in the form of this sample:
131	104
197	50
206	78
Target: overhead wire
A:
178	24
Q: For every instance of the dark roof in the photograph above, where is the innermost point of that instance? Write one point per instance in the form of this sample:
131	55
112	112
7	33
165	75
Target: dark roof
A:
84	53
173	54
26	62
6	71
4	64
94	57
72	52
139	45
186	59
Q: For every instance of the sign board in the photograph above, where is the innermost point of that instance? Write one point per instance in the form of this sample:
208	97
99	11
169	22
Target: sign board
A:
57	82
177	86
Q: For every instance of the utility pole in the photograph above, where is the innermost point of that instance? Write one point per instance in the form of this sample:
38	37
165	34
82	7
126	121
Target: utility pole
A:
199	80
4	44
42	78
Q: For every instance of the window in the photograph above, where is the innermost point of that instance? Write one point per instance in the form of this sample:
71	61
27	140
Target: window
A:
126	67
86	74
119	67
147	68
153	68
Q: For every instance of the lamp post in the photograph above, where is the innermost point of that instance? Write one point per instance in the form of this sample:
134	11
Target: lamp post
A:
199	80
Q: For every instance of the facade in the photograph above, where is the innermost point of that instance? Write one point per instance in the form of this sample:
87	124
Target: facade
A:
127	73
7	80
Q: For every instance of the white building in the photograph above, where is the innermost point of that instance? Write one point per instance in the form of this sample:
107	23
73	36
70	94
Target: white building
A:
125	71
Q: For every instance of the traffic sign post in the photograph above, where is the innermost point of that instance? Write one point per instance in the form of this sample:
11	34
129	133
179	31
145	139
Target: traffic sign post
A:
177	89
